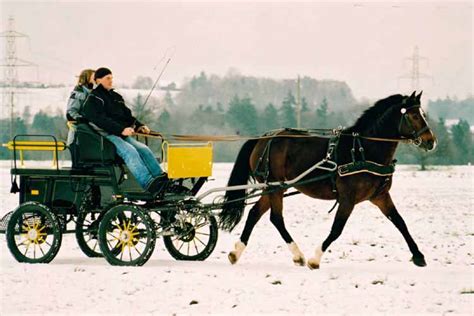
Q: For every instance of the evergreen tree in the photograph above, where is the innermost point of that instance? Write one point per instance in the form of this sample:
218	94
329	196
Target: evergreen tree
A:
462	140
242	115
168	100
164	121
322	115
307	120
269	119
26	115
444	152
140	110
287	111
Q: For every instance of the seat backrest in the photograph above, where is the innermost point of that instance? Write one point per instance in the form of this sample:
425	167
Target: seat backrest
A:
90	149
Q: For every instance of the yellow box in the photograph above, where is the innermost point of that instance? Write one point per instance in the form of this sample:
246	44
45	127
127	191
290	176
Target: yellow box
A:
188	160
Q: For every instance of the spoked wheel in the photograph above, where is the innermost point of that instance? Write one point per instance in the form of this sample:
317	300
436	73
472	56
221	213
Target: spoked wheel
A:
127	236
87	231
87	223
33	233
195	237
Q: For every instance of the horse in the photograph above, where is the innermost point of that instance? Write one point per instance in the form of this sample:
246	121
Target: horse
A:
381	127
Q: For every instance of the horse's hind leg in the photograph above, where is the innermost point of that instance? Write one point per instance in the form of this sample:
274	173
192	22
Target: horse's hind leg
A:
276	217
385	203
343	212
255	214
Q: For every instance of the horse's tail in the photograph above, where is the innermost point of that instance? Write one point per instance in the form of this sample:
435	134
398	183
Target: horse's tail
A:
234	201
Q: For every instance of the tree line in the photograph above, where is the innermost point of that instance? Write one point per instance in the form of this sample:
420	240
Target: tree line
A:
205	105
455	143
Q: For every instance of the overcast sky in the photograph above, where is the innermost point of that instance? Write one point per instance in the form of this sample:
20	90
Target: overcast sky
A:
361	43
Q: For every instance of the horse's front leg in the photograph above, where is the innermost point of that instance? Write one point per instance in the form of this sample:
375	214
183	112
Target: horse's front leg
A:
254	215
276	218
385	204
343	212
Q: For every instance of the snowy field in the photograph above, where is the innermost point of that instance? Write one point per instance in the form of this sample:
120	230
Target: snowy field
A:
367	270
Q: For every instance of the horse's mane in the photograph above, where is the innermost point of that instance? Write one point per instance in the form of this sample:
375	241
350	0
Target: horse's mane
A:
371	117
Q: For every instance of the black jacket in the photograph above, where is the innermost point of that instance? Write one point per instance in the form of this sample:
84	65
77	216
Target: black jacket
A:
107	110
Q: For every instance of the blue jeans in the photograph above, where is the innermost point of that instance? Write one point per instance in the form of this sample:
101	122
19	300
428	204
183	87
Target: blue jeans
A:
138	157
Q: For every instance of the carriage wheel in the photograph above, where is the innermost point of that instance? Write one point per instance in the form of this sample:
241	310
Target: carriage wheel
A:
87	225
33	233
195	237
127	236
87	230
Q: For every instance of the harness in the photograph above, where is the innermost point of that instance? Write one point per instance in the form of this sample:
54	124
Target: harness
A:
362	165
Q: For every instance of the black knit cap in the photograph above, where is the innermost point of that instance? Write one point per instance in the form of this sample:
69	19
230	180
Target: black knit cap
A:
102	72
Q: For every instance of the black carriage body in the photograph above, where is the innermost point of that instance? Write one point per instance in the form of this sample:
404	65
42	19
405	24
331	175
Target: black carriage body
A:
94	163
60	189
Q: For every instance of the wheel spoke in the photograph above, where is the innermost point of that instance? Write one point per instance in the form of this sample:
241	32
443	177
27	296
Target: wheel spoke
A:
195	246
196	237
110	245
27	247
41	249
202	233
181	246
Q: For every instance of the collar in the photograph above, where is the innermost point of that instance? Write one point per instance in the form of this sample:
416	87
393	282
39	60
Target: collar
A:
102	89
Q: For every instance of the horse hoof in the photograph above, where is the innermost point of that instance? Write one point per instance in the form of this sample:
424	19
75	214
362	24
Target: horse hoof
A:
299	261
232	257
419	261
313	264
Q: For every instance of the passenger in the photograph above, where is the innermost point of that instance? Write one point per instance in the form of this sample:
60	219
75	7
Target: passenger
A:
84	86
106	112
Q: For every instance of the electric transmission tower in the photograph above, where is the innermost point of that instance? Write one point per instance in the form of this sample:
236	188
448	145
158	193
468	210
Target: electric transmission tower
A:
415	75
11	63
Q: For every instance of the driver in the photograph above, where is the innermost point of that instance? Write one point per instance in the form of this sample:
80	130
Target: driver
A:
107	113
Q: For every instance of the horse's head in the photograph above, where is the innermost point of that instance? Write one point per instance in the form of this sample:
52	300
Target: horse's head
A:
413	124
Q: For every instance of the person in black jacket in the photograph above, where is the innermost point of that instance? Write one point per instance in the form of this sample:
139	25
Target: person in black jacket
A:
107	113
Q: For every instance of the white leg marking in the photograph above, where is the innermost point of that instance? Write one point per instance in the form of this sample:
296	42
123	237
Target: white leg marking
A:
298	257
234	255
314	262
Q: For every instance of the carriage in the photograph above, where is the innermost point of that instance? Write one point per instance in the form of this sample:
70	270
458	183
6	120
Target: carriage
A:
99	201
113	218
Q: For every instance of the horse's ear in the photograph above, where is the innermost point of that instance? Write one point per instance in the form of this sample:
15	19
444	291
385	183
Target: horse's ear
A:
418	97
412	97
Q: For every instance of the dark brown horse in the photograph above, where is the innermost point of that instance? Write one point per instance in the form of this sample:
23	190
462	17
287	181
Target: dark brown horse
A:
390	120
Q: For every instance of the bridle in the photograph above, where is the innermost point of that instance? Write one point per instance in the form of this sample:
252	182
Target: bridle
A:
414	135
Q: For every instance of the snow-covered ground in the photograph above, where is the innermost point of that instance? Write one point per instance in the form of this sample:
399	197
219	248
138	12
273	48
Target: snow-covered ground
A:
367	270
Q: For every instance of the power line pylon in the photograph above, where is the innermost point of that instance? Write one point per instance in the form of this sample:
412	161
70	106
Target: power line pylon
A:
415	75
11	63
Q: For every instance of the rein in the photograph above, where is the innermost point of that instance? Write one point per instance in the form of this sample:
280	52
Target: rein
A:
232	138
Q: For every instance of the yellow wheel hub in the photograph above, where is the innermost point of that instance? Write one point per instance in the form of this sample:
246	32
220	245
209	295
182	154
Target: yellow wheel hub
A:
34	233
127	235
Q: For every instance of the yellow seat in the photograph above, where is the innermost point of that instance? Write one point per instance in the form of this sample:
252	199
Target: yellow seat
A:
185	160
22	145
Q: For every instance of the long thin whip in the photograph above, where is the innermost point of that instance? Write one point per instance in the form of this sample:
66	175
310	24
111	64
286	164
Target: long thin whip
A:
156	81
